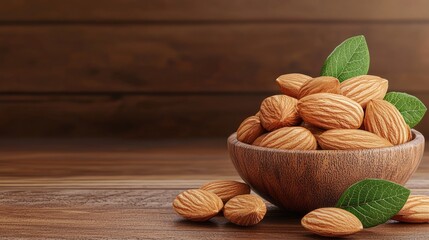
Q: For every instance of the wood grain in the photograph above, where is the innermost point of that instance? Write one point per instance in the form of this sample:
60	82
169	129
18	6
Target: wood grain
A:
146	116
296	180
100	195
163	68
132	116
223	58
192	10
99	161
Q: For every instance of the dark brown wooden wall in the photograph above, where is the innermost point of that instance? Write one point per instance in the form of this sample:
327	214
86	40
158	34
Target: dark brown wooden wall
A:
184	68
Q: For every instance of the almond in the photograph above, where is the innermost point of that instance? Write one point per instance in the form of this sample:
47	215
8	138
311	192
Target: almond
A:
249	130
279	111
363	89
258	141
350	139
331	222
297	138
291	83
330	111
322	84
226	189
245	210
197	205
383	119
415	210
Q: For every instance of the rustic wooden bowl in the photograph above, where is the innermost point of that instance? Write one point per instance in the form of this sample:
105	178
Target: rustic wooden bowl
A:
303	180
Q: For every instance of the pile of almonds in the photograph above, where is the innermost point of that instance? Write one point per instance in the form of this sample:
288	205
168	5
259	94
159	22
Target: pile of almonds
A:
234	198
322	113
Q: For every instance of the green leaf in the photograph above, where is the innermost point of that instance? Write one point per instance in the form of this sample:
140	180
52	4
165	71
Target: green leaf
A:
374	201
349	59
411	108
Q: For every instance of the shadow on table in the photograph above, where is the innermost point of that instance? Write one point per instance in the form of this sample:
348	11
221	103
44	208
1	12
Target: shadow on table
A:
274	218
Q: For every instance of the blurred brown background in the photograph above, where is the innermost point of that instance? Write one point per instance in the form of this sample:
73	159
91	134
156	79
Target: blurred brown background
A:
184	68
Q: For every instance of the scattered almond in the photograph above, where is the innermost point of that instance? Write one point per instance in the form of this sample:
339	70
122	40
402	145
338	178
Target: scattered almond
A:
245	210
365	88
279	111
322	84
331	222
383	119
197	205
249	130
415	210
297	138
330	111
350	139
290	84
226	189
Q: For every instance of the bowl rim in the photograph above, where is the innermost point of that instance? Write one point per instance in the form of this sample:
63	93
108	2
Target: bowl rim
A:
417	139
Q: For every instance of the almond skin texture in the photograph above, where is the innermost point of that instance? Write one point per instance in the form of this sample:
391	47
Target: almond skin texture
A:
197	205
350	139
415	210
258	141
331	222
226	189
290	84
363	89
245	210
249	130
279	111
297	138
320	85
383	119
330	111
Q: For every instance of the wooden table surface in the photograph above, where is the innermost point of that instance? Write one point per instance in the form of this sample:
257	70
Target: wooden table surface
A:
101	189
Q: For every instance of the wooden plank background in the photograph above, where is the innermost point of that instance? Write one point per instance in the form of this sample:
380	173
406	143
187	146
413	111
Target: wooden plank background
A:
184	68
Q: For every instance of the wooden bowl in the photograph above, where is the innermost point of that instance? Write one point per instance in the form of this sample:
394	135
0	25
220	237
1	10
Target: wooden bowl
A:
303	180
